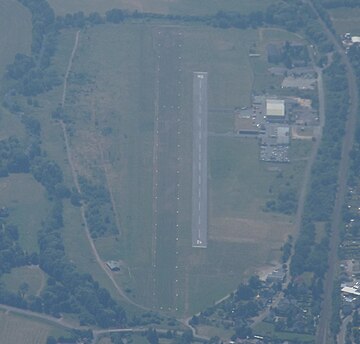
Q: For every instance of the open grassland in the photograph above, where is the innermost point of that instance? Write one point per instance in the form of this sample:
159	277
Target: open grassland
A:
113	99
77	247
346	20
18	329
115	115
224	55
118	110
189	7
10	125
15	28
210	331
26	200
33	276
267	329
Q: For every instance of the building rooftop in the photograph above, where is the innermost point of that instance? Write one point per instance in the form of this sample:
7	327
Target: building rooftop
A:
350	290
113	265
275	107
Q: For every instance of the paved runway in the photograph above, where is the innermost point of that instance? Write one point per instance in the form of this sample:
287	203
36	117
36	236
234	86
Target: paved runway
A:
199	180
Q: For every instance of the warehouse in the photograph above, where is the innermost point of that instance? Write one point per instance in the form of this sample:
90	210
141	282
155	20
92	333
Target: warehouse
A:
275	110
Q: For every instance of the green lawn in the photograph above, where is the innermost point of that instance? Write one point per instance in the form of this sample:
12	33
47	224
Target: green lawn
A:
15	28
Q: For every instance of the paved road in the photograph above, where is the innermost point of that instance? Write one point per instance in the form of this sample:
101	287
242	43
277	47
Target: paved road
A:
323	335
199	180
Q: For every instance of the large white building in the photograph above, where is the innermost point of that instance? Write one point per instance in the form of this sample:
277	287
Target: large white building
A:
275	109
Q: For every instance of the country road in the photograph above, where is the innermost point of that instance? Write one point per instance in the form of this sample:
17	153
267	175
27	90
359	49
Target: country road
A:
323	335
96	332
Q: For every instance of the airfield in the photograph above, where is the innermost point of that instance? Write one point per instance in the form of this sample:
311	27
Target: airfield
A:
143	123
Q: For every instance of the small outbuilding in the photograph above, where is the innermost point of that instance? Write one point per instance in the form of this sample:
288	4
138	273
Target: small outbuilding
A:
113	265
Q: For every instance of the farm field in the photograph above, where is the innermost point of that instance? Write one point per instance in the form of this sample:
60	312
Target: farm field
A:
15	28
346	20
20	329
201	7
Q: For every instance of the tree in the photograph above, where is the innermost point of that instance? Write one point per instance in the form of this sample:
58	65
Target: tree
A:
115	16
23	289
151	336
51	340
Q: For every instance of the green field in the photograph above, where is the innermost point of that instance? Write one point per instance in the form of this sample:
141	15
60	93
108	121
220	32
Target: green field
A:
267	329
15	28
26	200
32	275
201	7
346	20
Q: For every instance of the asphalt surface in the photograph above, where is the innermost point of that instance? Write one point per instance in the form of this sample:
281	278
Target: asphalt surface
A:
199	223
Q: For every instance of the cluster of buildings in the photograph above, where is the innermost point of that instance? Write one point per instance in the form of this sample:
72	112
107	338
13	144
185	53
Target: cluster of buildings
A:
266	119
275	122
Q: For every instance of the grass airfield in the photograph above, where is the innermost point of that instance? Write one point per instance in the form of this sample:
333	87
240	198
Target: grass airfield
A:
121	78
114	95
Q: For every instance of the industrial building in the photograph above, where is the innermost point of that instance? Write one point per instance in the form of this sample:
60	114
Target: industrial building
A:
275	109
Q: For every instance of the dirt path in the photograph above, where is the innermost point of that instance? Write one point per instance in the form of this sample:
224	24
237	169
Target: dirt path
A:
77	185
68	69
